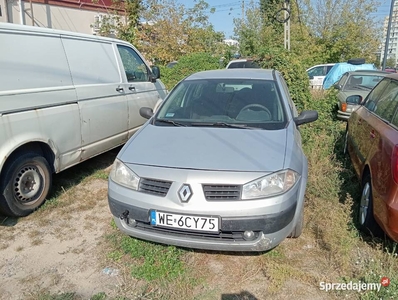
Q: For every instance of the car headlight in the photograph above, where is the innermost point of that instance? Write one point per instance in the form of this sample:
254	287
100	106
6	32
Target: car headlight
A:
122	175
270	185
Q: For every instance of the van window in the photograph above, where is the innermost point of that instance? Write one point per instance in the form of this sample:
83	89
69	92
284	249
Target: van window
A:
134	67
91	62
386	105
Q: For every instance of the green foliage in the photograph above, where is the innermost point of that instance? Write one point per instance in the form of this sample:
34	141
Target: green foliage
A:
157	261
344	29
293	72
187	65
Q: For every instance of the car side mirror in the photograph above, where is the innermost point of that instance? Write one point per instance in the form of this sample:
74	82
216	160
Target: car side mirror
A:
155	73
146	112
306	116
354	99
311	77
337	86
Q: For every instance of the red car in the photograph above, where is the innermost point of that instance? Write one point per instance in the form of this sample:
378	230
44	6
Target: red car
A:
372	143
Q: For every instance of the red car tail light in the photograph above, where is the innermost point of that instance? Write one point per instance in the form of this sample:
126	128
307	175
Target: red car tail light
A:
344	107
394	164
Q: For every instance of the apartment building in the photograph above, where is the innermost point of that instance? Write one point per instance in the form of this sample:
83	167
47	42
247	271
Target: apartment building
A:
392	51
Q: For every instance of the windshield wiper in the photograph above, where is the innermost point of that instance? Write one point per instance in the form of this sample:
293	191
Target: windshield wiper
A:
170	122
223	124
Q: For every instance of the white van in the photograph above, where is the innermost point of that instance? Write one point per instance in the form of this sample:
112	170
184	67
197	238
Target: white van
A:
64	98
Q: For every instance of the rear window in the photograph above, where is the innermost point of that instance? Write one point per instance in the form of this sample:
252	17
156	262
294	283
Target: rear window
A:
243	64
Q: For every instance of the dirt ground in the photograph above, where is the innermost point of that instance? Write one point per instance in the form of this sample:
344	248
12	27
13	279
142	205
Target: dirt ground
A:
59	249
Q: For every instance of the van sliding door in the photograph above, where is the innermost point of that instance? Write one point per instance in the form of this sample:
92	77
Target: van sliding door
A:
103	105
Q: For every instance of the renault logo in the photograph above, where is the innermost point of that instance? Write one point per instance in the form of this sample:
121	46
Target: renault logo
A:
185	192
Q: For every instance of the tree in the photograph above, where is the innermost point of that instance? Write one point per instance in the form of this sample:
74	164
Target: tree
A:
344	29
170	30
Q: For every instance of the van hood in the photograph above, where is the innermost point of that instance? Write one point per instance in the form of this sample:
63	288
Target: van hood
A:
207	148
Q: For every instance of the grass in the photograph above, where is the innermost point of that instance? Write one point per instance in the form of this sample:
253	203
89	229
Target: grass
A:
331	248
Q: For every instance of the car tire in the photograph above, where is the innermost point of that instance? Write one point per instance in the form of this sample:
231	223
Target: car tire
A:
24	184
356	61
366	220
298	229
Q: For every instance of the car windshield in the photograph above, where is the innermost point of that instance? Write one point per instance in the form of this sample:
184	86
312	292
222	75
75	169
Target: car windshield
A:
228	103
360	82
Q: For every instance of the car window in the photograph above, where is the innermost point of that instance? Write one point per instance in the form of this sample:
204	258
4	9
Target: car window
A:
254	103
328	68
134	67
375	94
244	64
316	71
387	103
343	80
360	82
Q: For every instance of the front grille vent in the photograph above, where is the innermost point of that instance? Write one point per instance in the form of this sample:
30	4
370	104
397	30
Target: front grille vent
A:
218	192
154	187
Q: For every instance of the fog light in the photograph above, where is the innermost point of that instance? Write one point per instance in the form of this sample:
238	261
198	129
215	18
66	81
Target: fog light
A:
249	235
132	222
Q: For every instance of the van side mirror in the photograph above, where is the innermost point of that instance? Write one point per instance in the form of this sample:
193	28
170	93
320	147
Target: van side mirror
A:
354	99
146	112
306	116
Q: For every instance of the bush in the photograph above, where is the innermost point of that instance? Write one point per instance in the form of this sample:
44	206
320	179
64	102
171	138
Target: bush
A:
292	71
188	65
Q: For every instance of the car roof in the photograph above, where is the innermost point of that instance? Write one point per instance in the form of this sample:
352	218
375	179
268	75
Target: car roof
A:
249	73
366	72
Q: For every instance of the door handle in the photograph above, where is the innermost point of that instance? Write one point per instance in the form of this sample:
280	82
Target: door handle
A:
119	89
132	88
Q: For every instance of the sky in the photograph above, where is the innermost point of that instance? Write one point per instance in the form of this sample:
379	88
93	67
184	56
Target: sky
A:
227	10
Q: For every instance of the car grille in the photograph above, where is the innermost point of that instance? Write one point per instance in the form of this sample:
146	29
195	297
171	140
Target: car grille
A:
219	192
154	187
222	235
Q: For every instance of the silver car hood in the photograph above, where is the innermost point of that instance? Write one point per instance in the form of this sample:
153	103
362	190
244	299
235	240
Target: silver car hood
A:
207	148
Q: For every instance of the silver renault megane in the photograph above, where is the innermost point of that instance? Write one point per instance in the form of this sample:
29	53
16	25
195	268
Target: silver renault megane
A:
219	166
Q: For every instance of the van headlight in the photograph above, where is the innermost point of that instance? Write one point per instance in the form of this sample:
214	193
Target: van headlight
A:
122	175
270	185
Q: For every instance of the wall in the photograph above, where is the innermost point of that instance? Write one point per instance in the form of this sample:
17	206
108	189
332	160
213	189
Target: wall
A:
70	15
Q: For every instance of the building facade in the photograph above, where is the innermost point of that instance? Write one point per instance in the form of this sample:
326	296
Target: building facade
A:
82	16
392	50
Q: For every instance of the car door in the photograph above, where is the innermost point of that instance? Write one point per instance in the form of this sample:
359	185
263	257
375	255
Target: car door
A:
140	89
359	137
383	138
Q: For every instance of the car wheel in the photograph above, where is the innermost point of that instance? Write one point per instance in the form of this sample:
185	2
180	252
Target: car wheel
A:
366	220
298	229
24	184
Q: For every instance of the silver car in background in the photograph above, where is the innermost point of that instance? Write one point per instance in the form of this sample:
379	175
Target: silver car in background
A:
219	166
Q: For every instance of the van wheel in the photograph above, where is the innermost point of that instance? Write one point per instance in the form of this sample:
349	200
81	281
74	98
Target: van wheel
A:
298	229
366	220
24	184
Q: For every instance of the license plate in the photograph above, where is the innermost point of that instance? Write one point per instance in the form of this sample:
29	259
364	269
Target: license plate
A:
198	223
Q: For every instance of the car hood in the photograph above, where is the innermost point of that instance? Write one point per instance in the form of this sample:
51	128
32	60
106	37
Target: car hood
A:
345	94
207	148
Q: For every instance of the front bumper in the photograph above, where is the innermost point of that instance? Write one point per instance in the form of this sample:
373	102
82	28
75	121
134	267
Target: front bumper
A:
269	230
342	115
